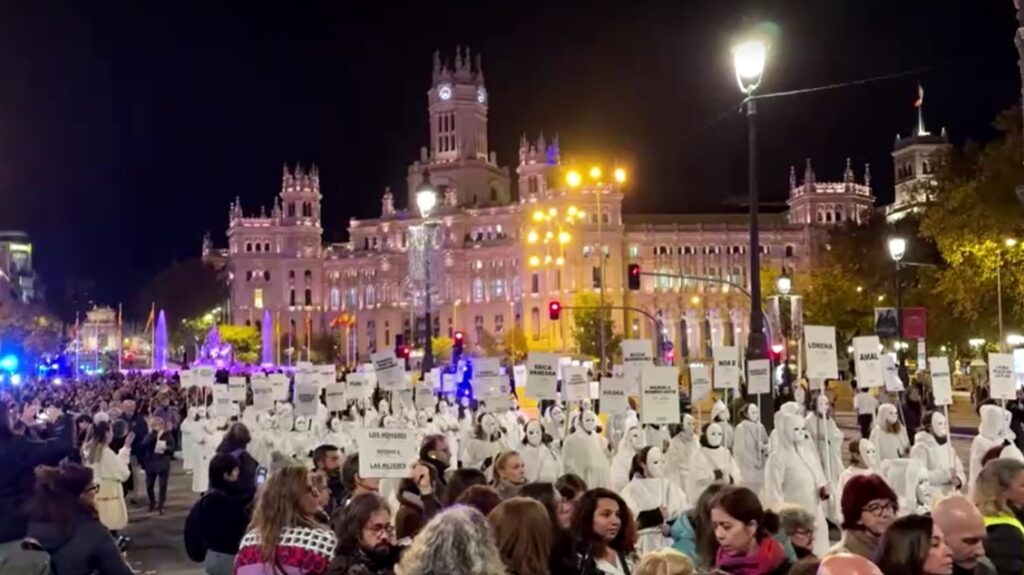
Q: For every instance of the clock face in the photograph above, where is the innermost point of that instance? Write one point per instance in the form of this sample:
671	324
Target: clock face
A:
445	92
481	95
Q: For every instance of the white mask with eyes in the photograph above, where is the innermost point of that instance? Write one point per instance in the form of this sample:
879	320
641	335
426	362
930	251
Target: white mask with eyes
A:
383	407
301	423
940	427
488	425
868	453
655	464
635	438
588	421
754	413
534	433
823	404
713	435
389	421
335	424
557	415
422	419
689	424
796	431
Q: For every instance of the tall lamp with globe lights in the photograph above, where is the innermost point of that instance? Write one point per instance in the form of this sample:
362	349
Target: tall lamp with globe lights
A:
749	59
784	285
898	249
426	200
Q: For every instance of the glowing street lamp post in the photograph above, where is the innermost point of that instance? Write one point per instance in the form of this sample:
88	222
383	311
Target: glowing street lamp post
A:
749	59
1009	243
426	200
898	249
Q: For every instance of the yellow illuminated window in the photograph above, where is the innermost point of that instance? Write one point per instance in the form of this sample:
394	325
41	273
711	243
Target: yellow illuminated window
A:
257	298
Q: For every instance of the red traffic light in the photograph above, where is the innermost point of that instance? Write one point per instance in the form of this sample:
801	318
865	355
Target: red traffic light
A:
404	351
633	277
554	310
777	348
459	336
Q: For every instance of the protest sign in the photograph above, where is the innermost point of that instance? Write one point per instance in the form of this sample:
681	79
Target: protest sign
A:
542	375
820	351
867	361
659	395
727	367
613	395
389	371
386	453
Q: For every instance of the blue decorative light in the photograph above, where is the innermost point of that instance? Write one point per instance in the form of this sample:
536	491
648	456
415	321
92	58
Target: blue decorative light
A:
9	363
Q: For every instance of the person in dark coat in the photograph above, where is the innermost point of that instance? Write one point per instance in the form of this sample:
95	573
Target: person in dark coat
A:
418	501
19	456
365	539
235	442
223	515
158	449
65	524
136	423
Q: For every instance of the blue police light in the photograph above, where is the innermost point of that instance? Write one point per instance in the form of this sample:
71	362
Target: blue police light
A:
9	363
16	379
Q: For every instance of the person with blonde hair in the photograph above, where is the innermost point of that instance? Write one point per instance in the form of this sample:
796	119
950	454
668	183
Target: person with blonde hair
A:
111	470
665	562
284	534
509	474
999	495
456	541
523	532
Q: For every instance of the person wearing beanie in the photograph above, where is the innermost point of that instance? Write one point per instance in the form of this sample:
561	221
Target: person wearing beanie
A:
869	506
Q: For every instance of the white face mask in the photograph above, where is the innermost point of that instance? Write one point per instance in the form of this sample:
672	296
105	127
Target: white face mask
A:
1007	419
713	435
301	424
557	415
940	427
335	424
689	424
390	421
488	424
589	421
422	419
868	453
800	395
266	422
721	412
796	431
754	413
534	435
823	404
442	409
383	407
201	413
635	438
655	465
924	492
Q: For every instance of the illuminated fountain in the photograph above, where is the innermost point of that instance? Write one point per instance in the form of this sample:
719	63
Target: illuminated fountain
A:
214	351
160	343
267	340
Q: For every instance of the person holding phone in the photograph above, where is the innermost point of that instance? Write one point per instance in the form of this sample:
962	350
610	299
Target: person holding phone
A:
158	449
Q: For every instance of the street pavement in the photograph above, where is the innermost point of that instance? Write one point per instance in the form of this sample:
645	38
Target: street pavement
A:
158	546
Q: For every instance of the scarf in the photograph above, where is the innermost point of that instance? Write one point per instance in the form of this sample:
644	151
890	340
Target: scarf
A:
860	542
767	558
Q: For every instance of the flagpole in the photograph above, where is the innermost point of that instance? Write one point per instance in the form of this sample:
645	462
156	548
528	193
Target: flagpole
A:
152	336
120	337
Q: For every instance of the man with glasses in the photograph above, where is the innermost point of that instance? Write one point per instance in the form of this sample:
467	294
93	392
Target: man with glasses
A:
365	538
869	506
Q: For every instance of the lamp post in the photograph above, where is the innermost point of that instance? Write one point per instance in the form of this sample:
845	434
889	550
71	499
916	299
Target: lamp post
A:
898	249
749	59
426	200
1009	243
784	285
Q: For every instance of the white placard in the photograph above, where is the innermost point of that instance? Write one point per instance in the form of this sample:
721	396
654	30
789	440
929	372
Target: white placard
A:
519	375
390	372
659	395
262	395
307	396
327	374
487	386
222	401
499	400
434	379
305	373
447	383
386	453
700	384
576	383
1001	380
613	395
356	387
403	399
204	376
891	376
486	367
279	382
542	375
816	384
820	348
942	380
336	395
424	397
637	352
187	378
759	376
867	361
236	389
727	367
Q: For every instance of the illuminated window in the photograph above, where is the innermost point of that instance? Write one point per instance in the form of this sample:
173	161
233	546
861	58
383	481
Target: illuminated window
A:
335	298
478	289
634	251
257	298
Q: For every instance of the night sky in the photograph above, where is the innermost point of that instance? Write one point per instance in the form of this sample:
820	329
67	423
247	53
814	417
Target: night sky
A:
127	128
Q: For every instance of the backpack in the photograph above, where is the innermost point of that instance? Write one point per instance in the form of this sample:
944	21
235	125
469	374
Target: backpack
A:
195	544
24	561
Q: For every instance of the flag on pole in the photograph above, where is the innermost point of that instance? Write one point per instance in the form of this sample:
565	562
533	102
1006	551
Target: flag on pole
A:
920	96
151	319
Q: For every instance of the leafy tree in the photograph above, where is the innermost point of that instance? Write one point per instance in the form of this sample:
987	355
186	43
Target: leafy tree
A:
244	340
28	330
325	348
442	347
489	345
515	344
186	291
588	325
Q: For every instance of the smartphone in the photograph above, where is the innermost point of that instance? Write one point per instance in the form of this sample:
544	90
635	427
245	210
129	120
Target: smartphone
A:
261	475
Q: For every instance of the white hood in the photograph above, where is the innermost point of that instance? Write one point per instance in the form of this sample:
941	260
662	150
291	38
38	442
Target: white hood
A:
884	412
992	423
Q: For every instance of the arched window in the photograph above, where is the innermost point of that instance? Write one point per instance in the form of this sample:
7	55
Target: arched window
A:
371	296
248	275
308	276
534	283
291	274
259	247
494	195
335	298
828	217
291	209
291	297
478	289
266	247
789	251
309	297
248	247
535	322
266	275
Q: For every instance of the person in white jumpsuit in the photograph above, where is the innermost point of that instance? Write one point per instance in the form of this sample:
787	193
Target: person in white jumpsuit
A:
863	461
584	453
909	479
206	446
990	434
654	500
788	408
631	443
189	428
888	435
934	450
720	415
791	478
485	445
827	438
680	459
750	448
715	462
541	462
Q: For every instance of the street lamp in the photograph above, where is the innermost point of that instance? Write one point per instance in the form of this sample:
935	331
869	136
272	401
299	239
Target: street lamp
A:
784	285
898	249
1009	243
1015	339
426	200
749	59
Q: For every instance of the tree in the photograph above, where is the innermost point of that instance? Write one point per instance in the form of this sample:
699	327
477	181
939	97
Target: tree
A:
515	344
324	348
244	340
442	348
489	345
186	291
588	325
27	330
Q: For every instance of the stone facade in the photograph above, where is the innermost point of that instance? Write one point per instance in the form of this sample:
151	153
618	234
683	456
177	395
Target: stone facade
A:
500	260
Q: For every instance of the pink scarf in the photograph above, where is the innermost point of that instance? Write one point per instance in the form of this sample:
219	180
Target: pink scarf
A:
768	556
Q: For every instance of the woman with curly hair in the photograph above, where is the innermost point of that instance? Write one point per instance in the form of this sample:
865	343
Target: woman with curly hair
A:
605	533
457	541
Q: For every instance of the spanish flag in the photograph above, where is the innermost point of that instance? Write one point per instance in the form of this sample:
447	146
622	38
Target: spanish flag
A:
920	97
151	319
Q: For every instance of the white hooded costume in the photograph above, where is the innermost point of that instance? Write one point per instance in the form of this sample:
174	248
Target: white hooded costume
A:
206	447
337	437
657	435
788	408
631	443
990	434
190	428
827	438
554	425
933	448
649	491
869	457
909	479
720	415
584	454
715	461
485	445
750	448
681	458
890	444
263	440
541	461
791	478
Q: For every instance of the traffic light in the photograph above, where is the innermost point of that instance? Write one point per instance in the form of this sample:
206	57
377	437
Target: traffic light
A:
633	277
403	351
459	339
554	310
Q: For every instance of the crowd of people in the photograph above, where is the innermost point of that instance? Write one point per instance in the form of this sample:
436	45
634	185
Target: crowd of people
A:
493	492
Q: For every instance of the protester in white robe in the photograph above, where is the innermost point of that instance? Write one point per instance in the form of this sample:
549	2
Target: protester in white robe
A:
512	423
206	445
826	437
909	479
189	428
541	461
654	500
631	443
485	445
554	425
863	461
933	448
750	448
888	435
990	434
584	453
263	440
791	478
720	415
448	424
337	437
681	457
787	408
715	463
